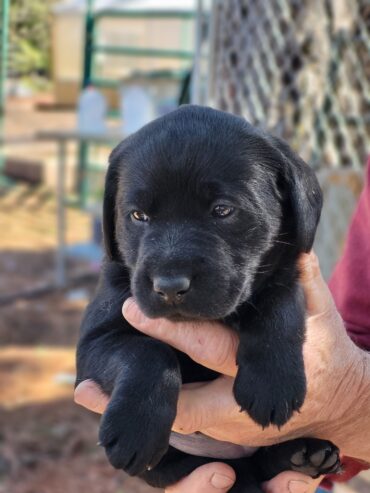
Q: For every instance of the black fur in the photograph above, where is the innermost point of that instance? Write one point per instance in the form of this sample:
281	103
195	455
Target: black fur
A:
241	269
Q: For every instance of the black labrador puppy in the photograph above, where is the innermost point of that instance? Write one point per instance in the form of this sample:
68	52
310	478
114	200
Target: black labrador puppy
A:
204	218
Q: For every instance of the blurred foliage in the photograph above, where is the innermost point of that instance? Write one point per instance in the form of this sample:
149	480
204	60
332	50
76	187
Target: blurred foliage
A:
30	37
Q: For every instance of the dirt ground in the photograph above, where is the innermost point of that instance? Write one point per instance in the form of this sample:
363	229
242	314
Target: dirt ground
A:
47	443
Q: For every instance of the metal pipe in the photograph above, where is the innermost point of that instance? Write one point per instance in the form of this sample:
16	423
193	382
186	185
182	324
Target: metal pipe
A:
61	216
83	148
144	14
142	52
195	96
89	37
4	29
210	77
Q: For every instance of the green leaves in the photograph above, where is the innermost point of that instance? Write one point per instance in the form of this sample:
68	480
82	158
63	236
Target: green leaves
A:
29	47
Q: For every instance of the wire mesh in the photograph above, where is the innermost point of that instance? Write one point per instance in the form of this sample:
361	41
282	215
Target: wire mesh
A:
300	68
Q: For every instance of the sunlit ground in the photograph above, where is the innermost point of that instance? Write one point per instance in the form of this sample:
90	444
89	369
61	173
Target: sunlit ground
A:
47	443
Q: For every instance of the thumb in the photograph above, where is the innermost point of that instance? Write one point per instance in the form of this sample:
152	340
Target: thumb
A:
215	477
317	293
291	482
88	394
208	343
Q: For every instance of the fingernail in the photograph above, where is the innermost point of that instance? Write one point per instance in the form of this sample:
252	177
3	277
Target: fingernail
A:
127	306
298	486
220	481
132	313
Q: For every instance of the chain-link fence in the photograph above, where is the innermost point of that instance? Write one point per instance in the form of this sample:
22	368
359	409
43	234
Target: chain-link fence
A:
301	68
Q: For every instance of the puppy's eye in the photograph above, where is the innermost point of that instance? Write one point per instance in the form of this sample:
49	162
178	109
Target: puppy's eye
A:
222	210
139	216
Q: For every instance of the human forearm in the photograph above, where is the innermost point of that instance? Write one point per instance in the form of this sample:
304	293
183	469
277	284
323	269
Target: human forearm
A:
354	427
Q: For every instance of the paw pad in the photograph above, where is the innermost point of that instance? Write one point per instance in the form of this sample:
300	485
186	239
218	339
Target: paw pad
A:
316	458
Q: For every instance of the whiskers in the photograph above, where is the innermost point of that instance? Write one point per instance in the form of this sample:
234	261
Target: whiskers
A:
264	268
284	243
281	241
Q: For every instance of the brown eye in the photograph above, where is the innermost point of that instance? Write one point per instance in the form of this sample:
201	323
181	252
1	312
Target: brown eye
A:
222	210
139	216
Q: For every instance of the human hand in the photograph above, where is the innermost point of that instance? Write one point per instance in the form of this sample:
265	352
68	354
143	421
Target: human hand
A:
333	365
215	477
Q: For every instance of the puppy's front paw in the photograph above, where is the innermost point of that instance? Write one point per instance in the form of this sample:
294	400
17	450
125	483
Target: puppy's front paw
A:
314	457
267	396
135	439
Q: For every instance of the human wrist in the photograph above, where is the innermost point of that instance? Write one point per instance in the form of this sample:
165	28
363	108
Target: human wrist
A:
353	425
359	432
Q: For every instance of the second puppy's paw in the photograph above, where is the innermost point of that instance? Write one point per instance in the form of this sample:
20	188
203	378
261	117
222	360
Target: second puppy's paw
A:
314	457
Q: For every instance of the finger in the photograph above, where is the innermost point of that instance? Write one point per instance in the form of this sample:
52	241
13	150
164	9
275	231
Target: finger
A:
206	406
318	296
208	343
210	478
289	482
88	394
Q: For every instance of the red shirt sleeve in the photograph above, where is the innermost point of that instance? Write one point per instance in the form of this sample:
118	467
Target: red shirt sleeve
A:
350	287
350	282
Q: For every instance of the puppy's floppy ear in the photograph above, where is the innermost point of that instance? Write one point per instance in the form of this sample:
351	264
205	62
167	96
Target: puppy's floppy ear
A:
304	194
109	208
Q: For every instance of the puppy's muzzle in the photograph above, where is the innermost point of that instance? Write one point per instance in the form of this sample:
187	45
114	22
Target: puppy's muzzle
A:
171	290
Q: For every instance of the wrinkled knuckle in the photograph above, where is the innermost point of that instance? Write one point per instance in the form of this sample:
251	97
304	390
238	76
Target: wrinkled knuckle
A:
189	420
225	351
331	314
193	342
164	329
327	317
195	422
187	425
309	267
187	428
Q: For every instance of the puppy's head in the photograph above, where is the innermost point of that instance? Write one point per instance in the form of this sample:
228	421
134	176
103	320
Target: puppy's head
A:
195	202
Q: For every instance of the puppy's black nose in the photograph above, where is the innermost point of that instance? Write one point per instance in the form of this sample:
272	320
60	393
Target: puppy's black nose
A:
171	289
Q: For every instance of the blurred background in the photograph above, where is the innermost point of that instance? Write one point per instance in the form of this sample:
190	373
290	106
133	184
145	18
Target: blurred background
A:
75	78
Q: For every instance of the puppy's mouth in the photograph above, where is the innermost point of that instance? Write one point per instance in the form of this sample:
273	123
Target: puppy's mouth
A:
174	314
181	317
